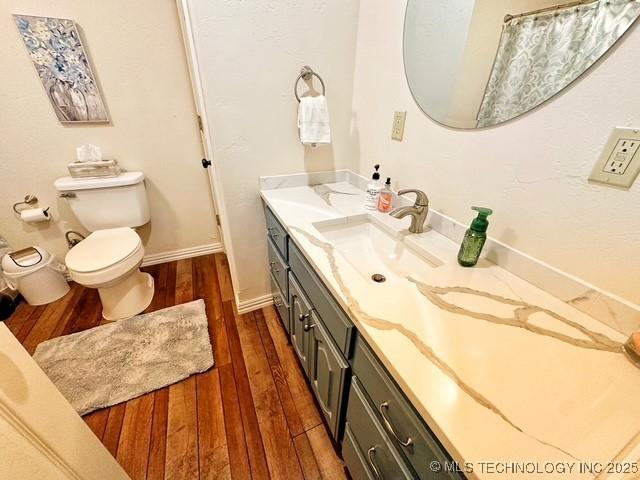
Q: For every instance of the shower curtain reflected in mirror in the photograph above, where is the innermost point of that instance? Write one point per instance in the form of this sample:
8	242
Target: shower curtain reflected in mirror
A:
540	54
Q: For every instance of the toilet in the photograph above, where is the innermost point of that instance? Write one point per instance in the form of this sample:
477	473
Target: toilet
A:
109	258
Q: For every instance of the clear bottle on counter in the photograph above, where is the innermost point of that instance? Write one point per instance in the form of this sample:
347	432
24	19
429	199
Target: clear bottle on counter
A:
386	197
373	190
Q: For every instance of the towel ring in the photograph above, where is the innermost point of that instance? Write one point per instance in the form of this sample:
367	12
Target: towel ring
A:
306	73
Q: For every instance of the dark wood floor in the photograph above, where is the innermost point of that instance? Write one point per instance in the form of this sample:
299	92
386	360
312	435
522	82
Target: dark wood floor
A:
251	416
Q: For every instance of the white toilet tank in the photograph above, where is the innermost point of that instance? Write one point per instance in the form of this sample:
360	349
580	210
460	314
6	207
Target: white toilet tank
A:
101	203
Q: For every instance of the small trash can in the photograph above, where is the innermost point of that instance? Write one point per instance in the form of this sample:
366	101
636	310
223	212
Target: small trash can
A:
36	274
8	296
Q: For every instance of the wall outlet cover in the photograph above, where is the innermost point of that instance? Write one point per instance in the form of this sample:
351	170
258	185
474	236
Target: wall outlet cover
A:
397	130
619	162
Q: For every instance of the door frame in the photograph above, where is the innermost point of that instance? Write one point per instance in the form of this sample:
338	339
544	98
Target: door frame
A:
197	88
32	409
9	417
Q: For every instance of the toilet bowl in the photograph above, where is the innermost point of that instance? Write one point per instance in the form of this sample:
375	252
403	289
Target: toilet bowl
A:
110	260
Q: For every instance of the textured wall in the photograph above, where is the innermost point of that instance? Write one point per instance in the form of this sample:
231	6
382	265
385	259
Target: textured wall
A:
138	57
531	171
250	54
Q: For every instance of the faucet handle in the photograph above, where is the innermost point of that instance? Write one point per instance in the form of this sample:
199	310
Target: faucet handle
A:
421	198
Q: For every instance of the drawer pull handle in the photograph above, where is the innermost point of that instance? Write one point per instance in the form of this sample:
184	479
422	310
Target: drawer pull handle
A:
277	302
273	267
376	471
387	423
303	316
308	326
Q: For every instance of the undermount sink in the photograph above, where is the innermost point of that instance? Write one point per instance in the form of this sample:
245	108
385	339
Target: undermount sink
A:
374	251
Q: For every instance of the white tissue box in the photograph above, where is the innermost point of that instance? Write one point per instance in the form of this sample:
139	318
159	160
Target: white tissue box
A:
101	168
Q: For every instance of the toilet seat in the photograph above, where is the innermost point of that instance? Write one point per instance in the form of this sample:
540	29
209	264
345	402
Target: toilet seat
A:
104	256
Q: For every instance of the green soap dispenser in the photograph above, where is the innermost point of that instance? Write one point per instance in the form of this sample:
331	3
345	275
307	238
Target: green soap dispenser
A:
474	238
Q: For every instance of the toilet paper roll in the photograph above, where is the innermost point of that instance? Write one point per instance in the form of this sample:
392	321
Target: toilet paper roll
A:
35	215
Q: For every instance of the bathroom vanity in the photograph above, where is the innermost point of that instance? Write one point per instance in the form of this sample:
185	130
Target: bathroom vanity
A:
437	371
364	409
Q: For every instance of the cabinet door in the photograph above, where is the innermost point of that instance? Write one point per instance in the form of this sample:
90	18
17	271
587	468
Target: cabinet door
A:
327	372
300	316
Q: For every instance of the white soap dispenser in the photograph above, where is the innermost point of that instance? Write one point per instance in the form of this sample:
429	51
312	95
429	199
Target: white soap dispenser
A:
372	193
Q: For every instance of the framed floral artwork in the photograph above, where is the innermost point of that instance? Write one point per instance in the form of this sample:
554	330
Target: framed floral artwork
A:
62	64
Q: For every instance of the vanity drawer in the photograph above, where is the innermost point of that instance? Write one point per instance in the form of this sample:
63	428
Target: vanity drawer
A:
276	232
396	414
280	301
371	441
355	461
278	268
336	321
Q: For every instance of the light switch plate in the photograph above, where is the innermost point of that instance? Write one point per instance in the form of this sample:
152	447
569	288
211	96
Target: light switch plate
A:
397	131
619	162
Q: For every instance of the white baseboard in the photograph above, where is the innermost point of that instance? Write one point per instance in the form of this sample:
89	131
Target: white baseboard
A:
254	304
181	254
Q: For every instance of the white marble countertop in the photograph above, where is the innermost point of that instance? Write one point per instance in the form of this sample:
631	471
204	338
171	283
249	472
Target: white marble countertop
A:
509	377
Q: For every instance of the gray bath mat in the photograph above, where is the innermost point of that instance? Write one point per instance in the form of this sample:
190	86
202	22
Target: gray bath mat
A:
122	360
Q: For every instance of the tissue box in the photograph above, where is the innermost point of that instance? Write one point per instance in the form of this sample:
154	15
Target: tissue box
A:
102	168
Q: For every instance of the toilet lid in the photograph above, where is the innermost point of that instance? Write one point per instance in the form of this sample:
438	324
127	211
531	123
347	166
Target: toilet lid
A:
102	249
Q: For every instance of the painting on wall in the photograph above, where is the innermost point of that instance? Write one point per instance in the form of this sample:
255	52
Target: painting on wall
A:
63	67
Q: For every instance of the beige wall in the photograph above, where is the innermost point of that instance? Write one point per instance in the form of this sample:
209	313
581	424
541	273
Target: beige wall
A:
532	171
250	54
137	53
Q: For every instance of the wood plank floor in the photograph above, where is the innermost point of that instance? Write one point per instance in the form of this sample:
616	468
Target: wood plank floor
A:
251	416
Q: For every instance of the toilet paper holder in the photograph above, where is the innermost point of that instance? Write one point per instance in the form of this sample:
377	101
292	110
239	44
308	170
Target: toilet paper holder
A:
28	200
41	214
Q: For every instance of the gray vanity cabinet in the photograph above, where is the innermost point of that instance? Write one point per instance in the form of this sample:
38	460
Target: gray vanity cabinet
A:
394	415
319	331
300	309
370	442
281	303
278	267
327	371
276	233
380	433
321	360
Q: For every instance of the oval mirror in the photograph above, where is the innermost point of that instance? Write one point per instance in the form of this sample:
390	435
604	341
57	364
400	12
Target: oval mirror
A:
478	63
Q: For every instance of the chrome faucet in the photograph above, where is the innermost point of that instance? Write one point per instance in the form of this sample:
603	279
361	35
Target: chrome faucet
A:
418	211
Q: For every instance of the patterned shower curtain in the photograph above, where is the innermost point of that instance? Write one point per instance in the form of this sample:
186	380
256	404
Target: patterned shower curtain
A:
539	55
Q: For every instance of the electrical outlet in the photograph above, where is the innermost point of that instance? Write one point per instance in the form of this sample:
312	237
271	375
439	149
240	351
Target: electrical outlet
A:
621	156
619	163
397	131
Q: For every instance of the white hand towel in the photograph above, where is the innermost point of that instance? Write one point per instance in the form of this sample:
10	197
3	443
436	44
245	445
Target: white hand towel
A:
313	121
